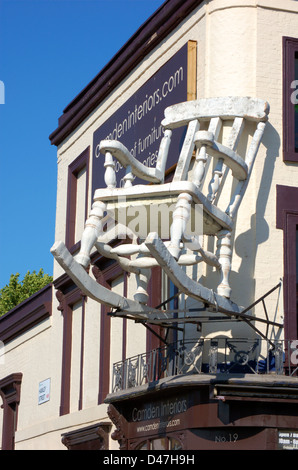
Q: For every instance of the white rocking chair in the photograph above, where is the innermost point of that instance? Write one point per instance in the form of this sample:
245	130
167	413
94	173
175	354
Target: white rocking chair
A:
205	120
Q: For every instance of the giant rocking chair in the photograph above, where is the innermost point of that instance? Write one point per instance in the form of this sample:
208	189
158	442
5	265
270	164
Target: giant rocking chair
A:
206	120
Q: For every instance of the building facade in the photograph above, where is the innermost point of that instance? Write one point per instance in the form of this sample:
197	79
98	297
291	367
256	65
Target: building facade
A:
77	375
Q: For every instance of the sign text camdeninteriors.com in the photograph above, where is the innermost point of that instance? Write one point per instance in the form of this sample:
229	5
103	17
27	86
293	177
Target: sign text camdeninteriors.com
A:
137	123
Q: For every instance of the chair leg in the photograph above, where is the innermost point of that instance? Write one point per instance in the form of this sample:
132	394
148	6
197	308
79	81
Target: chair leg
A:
224	253
181	216
93	228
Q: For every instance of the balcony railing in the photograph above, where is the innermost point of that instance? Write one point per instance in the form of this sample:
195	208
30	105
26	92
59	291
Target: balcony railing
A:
207	356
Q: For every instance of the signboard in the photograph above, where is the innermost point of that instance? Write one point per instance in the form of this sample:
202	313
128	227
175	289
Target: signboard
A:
137	123
44	391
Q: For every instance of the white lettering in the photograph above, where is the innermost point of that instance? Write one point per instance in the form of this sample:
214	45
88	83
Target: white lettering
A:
2	353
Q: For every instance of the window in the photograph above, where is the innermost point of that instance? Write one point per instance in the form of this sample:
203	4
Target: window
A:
295	97
10	390
72	306
290	99
160	443
77	200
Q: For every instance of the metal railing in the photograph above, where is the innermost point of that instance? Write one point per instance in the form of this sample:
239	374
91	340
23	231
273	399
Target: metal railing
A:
207	356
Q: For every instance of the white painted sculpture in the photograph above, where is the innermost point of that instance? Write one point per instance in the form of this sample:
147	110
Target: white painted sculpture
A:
204	119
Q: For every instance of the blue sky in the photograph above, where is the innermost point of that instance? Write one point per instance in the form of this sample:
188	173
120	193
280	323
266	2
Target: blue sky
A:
49	51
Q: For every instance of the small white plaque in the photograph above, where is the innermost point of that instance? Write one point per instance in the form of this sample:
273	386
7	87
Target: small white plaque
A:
44	391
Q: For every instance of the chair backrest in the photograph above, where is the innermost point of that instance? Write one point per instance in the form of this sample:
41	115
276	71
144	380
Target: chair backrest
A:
210	114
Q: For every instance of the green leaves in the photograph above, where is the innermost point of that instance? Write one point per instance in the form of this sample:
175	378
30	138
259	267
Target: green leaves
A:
16	291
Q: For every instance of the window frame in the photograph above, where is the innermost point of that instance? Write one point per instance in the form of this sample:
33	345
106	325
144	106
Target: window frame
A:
68	294
290	48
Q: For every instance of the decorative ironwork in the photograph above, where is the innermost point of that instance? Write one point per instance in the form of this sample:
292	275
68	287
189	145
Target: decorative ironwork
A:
207	356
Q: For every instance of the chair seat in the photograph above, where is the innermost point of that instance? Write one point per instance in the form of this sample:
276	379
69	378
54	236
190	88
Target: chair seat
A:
117	199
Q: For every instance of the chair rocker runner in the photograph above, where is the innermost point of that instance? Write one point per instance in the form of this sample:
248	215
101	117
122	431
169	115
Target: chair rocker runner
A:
207	121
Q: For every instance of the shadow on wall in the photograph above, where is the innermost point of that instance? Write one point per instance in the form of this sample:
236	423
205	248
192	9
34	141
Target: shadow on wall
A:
247	243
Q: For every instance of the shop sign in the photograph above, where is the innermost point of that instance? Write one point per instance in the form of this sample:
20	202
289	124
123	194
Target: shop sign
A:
44	391
2	353
288	439
137	123
159	410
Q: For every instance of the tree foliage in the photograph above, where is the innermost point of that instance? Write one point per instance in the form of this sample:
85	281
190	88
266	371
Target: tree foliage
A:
16	291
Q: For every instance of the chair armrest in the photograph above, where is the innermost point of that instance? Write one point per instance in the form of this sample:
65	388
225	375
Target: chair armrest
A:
119	151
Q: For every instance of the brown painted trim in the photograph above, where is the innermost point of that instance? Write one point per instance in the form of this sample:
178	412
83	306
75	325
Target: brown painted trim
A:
146	38
27	314
209	409
105	274
124	340
105	271
191	70
10	391
154	291
104	354
290	281
66	361
120	426
74	168
84	298
287	220
104	346
95	437
290	47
